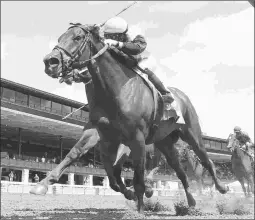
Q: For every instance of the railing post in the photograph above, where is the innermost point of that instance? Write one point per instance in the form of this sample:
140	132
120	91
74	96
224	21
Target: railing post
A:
94	156
61	147
19	142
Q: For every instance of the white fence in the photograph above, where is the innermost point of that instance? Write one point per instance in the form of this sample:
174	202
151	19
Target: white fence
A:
19	187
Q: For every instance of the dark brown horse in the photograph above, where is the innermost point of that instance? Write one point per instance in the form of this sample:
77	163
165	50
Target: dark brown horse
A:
123	111
241	165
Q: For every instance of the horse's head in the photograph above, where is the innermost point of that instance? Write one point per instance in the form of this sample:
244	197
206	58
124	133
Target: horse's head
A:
233	143
73	48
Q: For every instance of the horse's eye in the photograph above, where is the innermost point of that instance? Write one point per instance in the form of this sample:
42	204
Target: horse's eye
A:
77	38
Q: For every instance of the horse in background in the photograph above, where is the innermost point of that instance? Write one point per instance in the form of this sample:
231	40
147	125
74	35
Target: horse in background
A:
195	170
242	165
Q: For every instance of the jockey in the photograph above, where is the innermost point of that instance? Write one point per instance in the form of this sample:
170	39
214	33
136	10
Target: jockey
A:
245	141
116	34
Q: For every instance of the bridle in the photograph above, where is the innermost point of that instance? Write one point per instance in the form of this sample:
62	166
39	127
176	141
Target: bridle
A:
74	62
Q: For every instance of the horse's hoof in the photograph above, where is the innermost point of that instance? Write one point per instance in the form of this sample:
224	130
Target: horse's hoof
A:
140	208
115	187
149	192
130	195
39	189
141	211
223	189
191	200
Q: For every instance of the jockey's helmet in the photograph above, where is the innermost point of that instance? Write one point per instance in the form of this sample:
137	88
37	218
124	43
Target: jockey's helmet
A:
237	129
115	25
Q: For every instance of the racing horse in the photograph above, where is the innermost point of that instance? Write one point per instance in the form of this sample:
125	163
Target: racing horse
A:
241	165
124	111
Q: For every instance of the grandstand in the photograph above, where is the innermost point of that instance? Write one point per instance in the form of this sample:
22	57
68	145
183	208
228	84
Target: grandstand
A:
35	138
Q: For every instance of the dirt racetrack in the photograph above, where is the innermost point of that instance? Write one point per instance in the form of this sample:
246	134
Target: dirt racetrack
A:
78	207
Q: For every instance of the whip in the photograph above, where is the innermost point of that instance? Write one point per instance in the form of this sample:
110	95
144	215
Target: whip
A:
74	112
119	13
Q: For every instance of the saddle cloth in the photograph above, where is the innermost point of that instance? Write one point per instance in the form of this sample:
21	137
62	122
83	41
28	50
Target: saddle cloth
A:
166	112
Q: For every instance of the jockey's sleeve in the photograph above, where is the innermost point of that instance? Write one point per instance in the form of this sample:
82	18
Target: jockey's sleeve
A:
136	46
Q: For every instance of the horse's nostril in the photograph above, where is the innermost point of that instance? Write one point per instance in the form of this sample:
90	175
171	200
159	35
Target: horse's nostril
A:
53	61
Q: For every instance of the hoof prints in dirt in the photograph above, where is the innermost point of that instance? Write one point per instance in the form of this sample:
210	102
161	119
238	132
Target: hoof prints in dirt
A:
107	214
80	207
66	214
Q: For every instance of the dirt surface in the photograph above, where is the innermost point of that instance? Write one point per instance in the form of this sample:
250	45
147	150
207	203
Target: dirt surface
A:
78	207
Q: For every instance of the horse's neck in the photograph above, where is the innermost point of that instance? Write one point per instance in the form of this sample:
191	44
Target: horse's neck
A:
110	77
239	153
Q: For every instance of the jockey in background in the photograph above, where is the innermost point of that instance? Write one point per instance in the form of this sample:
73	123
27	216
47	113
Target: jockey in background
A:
245	141
115	33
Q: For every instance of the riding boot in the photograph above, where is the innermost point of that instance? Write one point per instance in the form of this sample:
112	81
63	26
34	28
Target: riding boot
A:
166	94
158	84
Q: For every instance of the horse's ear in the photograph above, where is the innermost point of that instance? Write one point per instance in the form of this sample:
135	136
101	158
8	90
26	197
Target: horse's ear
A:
95	29
75	24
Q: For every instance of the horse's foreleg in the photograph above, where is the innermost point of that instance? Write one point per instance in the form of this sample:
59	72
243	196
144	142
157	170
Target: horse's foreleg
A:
88	140
138	155
171	154
108	156
129	194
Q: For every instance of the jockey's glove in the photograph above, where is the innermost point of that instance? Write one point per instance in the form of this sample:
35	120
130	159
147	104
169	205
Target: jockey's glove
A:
114	43
244	147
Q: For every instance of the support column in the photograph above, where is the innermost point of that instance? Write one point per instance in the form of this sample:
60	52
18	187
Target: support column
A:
106	182
61	147
94	156
19	142
159	186
70	178
25	176
88	180
1	173
167	184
